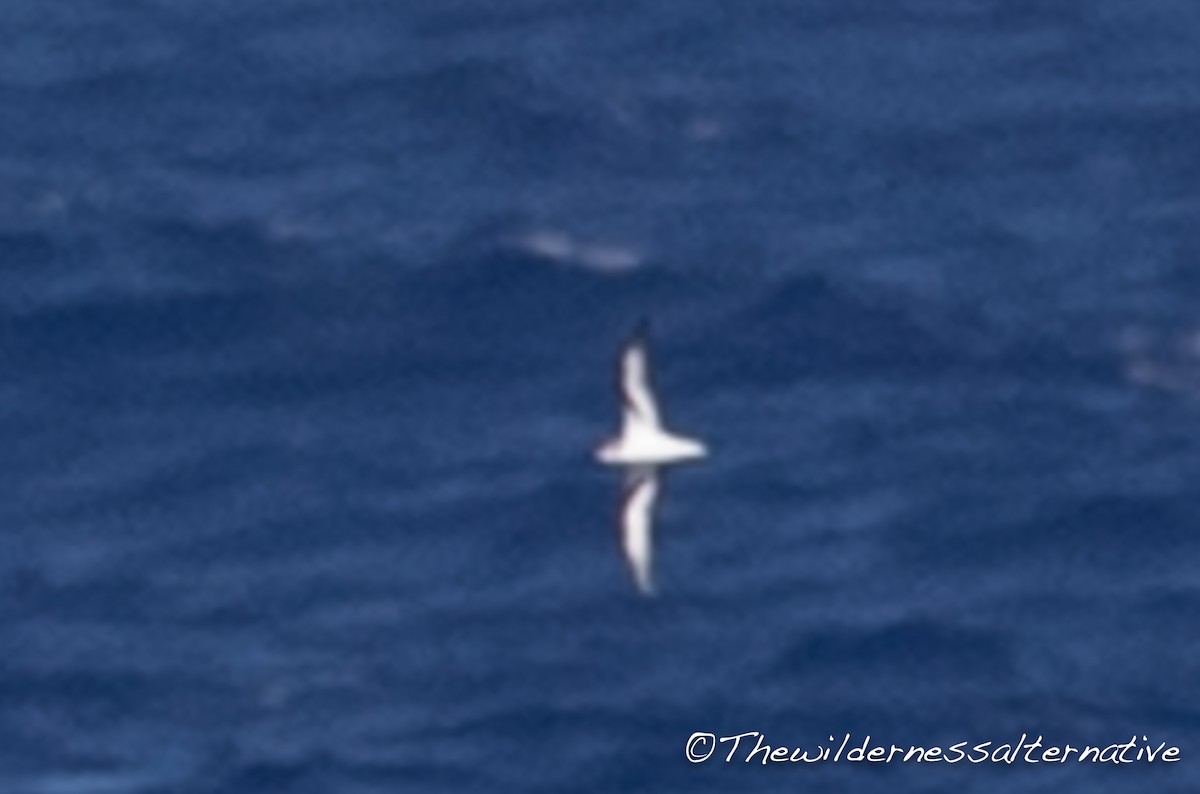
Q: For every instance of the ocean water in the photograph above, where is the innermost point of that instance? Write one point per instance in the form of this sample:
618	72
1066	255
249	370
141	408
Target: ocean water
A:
308	315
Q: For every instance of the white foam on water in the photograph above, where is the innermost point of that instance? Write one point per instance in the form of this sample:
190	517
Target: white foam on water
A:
560	247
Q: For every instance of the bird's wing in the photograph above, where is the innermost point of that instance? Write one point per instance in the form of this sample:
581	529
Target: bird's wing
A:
635	382
637	525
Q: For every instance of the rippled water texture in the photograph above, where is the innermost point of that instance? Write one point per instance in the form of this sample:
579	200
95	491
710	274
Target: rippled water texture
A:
308	313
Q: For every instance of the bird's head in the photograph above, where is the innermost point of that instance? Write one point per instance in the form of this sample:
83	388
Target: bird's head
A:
606	452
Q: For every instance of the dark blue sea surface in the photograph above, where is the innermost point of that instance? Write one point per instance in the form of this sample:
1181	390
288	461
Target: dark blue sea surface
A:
308	318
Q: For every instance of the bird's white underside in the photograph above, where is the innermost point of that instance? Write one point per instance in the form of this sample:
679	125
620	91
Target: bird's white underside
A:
643	446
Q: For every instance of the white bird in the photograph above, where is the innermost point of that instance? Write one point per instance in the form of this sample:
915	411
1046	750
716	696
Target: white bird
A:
642	448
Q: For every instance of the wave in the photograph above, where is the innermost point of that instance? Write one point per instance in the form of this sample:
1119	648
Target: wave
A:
1161	360
814	324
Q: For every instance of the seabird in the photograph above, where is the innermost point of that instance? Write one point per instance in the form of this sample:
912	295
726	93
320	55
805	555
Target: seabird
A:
643	447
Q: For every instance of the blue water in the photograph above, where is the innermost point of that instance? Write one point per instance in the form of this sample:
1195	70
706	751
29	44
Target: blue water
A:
307	320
